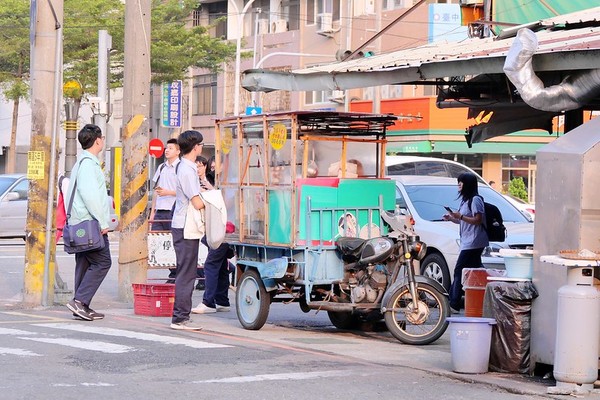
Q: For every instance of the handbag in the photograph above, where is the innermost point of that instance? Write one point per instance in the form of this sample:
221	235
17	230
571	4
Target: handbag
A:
84	236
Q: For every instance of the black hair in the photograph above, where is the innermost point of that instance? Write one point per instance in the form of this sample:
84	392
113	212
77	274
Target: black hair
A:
187	140
173	141
88	135
203	160
469	186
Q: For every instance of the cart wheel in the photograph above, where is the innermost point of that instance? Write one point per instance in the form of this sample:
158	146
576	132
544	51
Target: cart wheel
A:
252	301
422	325
343	319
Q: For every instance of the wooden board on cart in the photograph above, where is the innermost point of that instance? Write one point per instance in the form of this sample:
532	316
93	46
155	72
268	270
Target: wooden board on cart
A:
161	253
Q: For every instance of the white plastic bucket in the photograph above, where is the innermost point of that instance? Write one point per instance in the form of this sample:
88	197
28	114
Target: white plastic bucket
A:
470	343
518	263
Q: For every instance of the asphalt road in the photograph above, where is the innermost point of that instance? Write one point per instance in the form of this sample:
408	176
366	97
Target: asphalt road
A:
44	353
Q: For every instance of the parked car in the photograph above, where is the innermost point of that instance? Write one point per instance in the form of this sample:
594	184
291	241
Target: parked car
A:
14	192
424	197
523	206
428	166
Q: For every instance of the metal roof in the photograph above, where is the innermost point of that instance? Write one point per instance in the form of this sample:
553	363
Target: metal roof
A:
566	42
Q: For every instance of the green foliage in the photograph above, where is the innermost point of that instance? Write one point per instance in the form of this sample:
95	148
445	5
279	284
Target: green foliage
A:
175	44
517	188
14	48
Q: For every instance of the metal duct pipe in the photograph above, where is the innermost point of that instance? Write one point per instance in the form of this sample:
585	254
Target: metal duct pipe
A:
570	94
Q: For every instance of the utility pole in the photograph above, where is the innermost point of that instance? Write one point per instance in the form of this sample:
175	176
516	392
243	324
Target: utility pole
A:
133	242
46	66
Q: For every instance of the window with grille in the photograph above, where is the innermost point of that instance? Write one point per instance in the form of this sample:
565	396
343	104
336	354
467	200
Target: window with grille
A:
205	95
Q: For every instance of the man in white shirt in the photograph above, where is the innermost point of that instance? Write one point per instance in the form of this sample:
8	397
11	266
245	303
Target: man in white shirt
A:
186	250
163	200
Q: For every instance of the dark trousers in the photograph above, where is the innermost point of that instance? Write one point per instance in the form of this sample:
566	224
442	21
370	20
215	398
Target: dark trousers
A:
216	276
163	220
466	259
186	256
163	223
91	268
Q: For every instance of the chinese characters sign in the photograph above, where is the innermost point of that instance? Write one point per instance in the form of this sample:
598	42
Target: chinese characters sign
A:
35	165
171	112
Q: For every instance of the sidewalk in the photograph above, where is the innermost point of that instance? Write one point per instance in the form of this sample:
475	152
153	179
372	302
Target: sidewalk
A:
282	329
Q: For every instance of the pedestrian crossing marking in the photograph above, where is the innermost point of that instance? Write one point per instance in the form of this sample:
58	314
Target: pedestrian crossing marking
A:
10	331
102	347
151	337
280	377
18	352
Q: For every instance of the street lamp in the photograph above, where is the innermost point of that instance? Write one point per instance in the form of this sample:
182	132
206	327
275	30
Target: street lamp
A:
240	20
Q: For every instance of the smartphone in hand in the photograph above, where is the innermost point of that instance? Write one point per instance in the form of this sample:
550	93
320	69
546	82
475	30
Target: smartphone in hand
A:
448	209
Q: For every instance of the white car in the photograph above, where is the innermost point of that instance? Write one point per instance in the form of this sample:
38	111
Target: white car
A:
523	206
424	198
14	192
427	166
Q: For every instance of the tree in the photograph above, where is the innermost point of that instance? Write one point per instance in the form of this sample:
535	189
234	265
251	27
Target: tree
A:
14	63
517	188
175	46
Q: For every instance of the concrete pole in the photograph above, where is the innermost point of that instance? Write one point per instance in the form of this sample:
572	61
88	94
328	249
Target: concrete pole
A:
101	116
46	81
238	60
133	249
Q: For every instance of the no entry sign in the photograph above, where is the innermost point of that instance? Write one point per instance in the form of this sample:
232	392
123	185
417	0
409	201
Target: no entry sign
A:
156	147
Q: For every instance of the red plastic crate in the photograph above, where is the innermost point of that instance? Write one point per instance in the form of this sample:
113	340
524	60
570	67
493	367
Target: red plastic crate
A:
153	299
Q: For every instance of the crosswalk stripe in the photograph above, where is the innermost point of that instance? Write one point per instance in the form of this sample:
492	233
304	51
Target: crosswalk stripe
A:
196	344
278	377
18	352
103	347
9	331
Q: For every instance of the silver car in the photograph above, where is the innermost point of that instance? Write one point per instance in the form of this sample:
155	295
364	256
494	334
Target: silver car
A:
14	192
424	198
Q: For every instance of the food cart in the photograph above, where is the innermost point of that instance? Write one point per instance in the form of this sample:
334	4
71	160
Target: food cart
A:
296	185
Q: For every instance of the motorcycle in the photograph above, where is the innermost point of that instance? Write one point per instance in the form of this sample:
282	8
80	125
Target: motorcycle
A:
381	271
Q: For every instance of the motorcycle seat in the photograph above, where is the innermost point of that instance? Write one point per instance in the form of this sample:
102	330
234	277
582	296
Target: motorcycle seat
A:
350	247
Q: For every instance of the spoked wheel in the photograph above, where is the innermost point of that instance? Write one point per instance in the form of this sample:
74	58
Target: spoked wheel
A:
422	325
343	319
252	301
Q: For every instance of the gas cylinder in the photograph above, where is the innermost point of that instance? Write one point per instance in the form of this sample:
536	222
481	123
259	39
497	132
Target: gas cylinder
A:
577	328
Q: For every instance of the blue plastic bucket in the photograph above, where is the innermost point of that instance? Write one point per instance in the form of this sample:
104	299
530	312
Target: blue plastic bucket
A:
470	343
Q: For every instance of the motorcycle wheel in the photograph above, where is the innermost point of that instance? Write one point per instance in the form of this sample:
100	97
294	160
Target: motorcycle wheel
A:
252	301
343	319
422	326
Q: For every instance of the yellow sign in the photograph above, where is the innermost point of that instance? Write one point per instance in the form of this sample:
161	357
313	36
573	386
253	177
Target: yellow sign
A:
35	165
278	136
227	140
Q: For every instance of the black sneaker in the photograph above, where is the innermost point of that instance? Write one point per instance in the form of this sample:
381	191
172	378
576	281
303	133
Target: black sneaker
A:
79	309
95	314
200	285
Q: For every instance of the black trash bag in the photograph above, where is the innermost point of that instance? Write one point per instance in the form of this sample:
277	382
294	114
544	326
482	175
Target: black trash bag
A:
509	303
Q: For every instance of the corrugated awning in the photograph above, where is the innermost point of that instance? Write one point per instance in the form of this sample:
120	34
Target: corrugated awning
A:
560	49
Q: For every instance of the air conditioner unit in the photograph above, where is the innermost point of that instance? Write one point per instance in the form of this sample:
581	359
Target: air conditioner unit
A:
324	23
279	25
337	96
263	26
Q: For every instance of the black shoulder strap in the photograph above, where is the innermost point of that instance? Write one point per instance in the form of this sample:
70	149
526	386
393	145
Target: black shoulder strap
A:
162	166
61	178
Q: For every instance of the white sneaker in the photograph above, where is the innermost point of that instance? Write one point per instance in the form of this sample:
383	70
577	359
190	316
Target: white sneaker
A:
222	308
185	326
203	309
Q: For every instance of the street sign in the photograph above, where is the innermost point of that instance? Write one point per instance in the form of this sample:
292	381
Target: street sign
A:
156	148
171	112
253	110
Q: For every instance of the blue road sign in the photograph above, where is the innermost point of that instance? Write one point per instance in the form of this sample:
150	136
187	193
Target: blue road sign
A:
171	112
